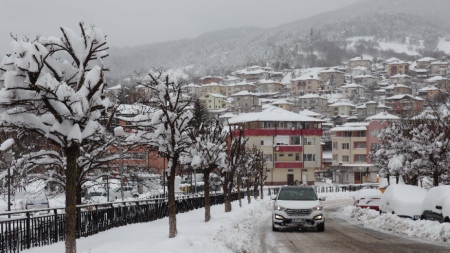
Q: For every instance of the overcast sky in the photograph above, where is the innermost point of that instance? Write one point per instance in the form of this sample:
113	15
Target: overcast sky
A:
136	22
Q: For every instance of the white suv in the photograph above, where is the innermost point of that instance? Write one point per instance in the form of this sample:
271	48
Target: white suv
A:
297	207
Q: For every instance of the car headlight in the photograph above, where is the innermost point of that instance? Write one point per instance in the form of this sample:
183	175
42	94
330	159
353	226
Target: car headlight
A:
318	208
278	208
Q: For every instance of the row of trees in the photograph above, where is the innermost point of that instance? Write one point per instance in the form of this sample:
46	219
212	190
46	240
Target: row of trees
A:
182	131
417	148
52	102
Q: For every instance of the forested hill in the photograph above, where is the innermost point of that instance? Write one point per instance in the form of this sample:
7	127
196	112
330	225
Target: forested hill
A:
417	27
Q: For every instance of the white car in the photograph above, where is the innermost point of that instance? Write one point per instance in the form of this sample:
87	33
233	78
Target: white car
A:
297	207
433	204
368	198
403	200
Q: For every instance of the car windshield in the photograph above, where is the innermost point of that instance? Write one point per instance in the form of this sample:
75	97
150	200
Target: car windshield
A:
297	194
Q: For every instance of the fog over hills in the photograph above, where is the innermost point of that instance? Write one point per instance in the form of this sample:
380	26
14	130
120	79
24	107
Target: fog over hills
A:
328	39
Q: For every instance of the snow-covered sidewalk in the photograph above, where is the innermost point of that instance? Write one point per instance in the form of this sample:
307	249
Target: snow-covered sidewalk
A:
226	232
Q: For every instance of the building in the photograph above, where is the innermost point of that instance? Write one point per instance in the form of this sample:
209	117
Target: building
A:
305	84
397	67
213	101
404	105
369	109
331	77
314	102
439	68
352	91
341	108
291	144
351	147
270	86
359	62
245	101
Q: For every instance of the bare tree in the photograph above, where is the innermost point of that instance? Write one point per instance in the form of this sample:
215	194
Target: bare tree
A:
166	129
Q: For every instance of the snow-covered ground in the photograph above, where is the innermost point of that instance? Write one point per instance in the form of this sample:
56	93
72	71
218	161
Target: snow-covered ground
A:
235	231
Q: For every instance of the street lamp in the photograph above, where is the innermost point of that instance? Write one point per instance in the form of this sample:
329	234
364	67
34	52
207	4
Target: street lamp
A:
118	132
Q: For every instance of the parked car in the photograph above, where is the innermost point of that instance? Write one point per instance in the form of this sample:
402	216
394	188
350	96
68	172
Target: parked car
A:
128	192
403	200
432	206
368	198
29	201
446	209
297	207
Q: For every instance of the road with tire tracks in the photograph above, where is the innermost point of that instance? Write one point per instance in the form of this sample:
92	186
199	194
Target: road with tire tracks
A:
339	236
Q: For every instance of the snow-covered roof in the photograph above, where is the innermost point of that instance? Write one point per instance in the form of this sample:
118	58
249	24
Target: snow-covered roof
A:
272	114
436	78
341	103
281	102
115	87
382	116
428	88
309	113
351	85
356	126
305	77
426	59
243	93
400	76
403	96
312	95
217	95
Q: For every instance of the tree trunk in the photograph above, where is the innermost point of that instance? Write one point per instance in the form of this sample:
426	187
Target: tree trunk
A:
79	190
261	191
435	178
172	205
72	154
249	199
227	193
206	174
239	182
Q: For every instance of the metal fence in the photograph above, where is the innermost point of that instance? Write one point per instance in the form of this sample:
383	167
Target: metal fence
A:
272	190
36	228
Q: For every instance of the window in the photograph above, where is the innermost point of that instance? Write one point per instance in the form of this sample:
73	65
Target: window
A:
267	124
374	133
310	141
359	144
345	146
262	142
335	158
290	155
295	140
360	158
347	134
335	145
360	134
345	158
297	157
309	157
268	157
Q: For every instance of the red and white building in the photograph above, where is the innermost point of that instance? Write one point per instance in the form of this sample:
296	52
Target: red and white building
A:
291	144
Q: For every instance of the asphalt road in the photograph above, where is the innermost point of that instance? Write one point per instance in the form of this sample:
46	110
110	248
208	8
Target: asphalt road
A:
339	236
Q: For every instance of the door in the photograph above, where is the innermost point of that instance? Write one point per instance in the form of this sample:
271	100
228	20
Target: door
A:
290	179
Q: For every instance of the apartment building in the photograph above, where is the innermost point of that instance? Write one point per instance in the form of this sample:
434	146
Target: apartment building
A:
291	144
351	146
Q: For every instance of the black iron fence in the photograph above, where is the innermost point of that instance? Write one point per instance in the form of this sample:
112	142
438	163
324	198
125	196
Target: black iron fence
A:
20	230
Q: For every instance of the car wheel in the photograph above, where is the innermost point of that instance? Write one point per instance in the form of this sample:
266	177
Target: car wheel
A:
447	219
135	196
274	228
321	227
